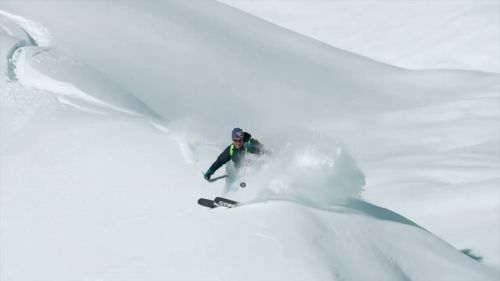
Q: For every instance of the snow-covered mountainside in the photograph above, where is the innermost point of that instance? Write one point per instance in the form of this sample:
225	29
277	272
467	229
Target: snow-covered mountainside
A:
110	110
412	34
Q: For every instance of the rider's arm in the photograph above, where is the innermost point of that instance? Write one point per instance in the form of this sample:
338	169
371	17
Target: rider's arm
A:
223	158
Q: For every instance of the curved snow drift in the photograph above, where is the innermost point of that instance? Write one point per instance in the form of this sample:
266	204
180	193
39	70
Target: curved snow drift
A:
30	49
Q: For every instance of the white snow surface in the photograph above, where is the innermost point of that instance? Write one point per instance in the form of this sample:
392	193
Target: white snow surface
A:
110	110
424	34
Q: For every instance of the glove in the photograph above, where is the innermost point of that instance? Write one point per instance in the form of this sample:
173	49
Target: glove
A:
208	174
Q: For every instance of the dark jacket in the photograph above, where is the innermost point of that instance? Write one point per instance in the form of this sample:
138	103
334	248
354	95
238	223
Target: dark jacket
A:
237	155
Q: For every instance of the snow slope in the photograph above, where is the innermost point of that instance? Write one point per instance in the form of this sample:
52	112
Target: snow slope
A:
451	151
103	137
411	34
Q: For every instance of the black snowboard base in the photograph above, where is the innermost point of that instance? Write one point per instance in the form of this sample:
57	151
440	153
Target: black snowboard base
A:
218	201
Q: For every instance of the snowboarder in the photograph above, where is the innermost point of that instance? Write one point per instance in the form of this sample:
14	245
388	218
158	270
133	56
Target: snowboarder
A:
242	143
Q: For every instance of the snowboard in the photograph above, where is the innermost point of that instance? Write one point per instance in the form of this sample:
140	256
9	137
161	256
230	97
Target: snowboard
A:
218	201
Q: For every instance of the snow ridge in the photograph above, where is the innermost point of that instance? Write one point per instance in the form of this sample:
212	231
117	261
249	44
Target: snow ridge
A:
38	34
19	67
36	29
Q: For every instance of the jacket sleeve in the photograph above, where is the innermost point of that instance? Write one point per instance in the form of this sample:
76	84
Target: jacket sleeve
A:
223	158
256	147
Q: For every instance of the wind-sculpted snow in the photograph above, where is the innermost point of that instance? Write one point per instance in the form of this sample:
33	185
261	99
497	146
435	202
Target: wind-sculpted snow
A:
13	38
92	191
37	33
30	77
30	49
217	63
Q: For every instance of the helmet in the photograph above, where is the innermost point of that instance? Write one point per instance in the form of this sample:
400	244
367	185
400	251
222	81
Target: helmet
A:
237	133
